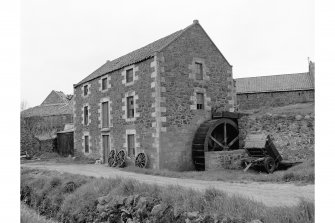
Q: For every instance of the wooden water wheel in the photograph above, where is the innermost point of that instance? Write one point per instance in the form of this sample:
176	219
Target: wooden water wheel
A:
213	135
111	157
121	158
141	160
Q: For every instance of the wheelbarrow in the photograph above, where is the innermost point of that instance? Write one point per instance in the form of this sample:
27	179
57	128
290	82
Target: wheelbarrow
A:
261	152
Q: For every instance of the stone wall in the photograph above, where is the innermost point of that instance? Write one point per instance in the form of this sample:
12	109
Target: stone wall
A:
216	160
292	134
119	124
179	84
273	99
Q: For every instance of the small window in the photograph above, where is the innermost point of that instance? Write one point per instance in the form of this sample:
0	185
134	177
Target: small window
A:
130	107
87	148
200	101
199	71
86	115
105	115
131	145
104	83
129	75
85	90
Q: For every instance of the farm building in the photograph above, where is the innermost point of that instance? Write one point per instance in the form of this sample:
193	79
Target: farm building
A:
45	120
275	90
153	100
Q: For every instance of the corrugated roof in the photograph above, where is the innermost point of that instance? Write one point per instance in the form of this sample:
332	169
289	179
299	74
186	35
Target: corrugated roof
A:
48	110
284	82
134	56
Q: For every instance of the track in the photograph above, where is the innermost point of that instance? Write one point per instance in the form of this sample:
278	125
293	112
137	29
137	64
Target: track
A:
268	193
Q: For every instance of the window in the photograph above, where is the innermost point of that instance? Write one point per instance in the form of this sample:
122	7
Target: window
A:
130	107
85	90
105	115
200	101
199	71
87	148
131	145
86	115
129	75
104	83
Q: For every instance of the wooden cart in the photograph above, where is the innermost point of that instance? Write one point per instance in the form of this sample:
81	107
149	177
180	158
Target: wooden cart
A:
261	152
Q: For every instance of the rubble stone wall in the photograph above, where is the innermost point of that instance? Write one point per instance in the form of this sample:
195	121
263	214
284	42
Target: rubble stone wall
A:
179	84
142	124
216	160
273	99
293	135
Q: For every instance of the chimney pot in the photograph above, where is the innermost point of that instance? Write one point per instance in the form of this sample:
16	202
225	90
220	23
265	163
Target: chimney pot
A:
195	21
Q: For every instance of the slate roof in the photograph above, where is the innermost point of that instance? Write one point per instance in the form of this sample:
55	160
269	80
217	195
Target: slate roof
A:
48	110
63	106
133	57
284	82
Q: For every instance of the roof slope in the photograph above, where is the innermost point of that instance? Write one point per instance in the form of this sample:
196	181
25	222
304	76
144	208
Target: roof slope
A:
284	82
48	110
56	103
134	56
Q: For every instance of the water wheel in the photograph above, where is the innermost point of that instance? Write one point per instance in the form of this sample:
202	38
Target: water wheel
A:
111	157
121	158
213	135
141	160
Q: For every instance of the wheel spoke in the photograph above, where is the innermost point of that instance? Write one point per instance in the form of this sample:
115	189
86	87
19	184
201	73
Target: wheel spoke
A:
225	133
233	141
217	142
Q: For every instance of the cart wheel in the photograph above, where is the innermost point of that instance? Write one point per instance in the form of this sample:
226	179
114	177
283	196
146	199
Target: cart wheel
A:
269	164
111	157
141	160
121	158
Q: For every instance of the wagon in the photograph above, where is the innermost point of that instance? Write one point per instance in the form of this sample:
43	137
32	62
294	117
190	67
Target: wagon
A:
261	152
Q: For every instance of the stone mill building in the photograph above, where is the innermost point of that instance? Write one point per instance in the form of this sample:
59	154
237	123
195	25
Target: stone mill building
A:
153	99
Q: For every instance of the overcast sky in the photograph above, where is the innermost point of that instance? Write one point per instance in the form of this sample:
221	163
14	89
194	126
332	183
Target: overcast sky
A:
63	41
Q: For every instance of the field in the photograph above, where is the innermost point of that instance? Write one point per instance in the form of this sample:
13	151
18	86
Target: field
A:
76	198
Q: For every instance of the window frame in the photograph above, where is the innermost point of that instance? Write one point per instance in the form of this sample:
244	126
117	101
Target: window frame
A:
128	107
102	83
102	115
86	115
200	106
201	71
85	89
132	75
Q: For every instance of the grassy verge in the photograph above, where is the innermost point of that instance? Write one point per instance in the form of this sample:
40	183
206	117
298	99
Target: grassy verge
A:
74	198
302	173
29	215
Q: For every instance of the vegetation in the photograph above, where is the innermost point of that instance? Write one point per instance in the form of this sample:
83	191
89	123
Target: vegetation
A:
29	215
74	198
301	173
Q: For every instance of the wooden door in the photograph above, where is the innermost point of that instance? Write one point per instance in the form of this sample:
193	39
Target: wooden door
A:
105	147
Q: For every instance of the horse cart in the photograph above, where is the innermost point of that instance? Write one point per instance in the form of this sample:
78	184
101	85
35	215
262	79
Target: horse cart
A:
261	152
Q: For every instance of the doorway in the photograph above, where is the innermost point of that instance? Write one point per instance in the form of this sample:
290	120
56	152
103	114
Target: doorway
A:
105	148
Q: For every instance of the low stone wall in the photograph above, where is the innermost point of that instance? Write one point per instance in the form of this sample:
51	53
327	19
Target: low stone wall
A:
216	160
292	134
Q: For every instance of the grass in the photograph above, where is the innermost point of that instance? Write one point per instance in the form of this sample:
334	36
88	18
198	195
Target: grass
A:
29	215
46	192
301	173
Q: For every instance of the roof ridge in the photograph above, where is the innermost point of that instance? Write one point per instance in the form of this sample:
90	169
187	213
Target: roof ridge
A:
270	75
135	56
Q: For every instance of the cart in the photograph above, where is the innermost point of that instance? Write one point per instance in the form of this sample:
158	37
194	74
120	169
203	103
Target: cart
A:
261	152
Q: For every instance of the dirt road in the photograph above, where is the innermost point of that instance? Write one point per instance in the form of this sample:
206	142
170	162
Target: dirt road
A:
268	193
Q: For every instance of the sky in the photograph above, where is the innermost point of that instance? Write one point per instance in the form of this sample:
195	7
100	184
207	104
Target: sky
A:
63	41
